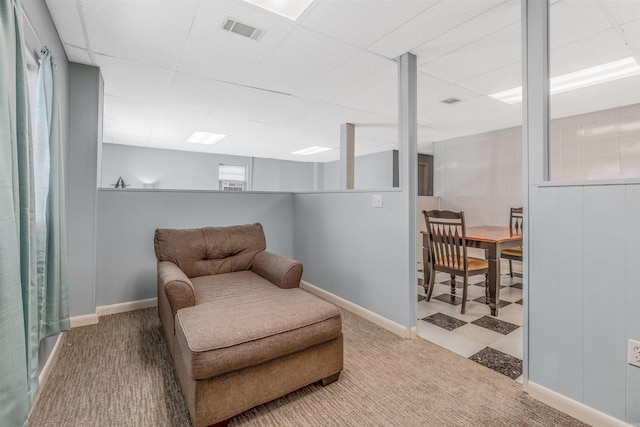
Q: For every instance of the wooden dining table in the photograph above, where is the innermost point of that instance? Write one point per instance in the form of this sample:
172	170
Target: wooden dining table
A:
494	239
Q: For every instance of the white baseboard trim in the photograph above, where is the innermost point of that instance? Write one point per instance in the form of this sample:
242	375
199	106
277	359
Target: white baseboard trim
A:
83	320
46	369
572	407
381	321
105	310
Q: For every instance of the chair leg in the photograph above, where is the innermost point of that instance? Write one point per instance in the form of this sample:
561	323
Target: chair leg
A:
464	294
453	285
486	288
510	268
432	281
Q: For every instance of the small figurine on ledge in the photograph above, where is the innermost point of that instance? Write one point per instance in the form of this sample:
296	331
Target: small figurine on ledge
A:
120	183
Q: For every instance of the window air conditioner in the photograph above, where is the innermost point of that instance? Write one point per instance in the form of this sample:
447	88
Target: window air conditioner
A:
232	186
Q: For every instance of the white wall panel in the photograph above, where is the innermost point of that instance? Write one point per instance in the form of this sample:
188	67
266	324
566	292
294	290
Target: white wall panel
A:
571	292
604	283
128	218
543	286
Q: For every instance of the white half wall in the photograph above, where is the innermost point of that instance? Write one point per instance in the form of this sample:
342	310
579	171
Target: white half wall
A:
126	267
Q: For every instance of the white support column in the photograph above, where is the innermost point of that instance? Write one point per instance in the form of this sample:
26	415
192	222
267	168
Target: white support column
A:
535	129
347	155
408	132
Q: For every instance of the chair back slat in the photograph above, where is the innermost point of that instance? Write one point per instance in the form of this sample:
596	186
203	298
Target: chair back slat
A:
515	220
446	236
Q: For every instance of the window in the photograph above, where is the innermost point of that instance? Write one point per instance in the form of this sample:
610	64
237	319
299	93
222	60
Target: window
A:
232	177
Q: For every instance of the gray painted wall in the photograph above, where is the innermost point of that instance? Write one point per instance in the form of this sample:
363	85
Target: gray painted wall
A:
85	112
126	267
171	169
355	251
372	172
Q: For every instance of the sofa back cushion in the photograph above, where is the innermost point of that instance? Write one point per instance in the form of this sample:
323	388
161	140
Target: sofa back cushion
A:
210	250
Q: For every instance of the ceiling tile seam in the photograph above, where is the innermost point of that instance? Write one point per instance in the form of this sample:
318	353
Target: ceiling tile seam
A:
292	96
55	24
635	50
85	33
403	24
457	49
178	58
475	40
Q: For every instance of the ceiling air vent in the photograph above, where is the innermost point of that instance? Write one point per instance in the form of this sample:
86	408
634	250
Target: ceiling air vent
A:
243	29
451	100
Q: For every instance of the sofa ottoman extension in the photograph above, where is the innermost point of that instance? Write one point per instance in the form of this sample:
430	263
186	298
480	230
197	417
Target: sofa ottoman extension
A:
239	330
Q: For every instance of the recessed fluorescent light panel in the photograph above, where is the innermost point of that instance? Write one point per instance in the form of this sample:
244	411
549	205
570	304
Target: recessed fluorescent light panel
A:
615	70
291	9
311	150
205	138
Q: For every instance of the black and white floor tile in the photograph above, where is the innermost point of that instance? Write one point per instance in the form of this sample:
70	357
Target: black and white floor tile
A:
495	342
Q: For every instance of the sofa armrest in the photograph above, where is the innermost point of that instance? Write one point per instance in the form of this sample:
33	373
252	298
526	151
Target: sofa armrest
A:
279	270
176	285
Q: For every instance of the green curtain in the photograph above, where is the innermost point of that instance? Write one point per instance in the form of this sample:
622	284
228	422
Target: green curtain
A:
17	219
51	232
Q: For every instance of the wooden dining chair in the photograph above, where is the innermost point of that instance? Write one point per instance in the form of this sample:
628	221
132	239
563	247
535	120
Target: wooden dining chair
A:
514	254
446	251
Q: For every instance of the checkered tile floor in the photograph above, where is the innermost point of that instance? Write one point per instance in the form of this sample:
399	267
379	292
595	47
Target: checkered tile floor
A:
493	342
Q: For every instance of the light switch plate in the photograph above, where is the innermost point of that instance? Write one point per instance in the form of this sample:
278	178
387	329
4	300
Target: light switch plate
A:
634	353
376	200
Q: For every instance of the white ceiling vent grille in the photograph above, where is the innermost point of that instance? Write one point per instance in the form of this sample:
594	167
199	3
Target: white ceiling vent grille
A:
451	101
243	29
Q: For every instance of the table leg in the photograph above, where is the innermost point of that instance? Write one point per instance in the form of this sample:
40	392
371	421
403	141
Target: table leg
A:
494	279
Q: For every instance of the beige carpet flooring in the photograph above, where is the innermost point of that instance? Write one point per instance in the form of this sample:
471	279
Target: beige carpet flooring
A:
119	373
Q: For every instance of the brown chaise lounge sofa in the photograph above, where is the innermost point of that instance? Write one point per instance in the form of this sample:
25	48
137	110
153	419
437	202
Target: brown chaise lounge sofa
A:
239	330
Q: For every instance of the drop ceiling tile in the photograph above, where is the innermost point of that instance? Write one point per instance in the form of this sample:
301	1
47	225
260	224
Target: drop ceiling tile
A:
147	32
78	55
383	132
168	138
382	100
594	50
180	118
487	23
256	130
596	98
67	21
329	119
303	57
132	80
442	17
117	108
130	128
623	11
427	135
223	124
136	141
215	53
504	78
495	51
237	101
307	137
361	23
572	20
476	116
359	74
432	100
632	30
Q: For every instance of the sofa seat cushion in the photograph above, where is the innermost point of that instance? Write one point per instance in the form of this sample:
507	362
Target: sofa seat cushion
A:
237	330
242	285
